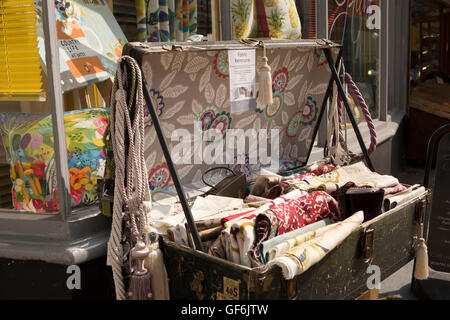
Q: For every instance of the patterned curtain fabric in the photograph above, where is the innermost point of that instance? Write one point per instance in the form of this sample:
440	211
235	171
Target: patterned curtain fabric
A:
265	18
166	20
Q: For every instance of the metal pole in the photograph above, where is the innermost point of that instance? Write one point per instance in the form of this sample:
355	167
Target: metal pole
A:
349	110
170	164
323	110
56	101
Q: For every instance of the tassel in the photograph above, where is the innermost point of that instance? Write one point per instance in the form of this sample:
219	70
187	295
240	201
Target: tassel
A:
140	282
421	266
147	210
265	96
160	281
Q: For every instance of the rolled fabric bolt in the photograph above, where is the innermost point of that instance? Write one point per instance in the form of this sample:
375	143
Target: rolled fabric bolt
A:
252	199
210	234
263	184
13	173
255	204
25	194
207	224
299	259
397	200
268	245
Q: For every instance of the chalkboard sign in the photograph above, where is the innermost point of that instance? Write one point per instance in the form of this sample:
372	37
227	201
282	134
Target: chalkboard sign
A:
439	228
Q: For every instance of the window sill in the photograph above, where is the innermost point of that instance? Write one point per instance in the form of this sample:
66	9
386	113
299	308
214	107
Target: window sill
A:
386	130
47	238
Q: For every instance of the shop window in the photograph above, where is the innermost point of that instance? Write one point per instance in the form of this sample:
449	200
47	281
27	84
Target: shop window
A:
361	39
429	90
28	145
204	17
153	21
125	14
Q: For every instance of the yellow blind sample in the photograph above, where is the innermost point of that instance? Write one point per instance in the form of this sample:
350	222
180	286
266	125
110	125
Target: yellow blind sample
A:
20	69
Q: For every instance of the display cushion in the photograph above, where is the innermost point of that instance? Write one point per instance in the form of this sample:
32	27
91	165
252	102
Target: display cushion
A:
28	140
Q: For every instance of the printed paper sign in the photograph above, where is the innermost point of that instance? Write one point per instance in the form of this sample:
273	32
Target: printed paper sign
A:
82	61
242	64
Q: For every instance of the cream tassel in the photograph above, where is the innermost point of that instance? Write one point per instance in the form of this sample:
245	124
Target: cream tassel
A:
265	96
421	267
154	262
421	264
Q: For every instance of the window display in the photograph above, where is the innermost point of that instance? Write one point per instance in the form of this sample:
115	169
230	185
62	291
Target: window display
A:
269	19
28	140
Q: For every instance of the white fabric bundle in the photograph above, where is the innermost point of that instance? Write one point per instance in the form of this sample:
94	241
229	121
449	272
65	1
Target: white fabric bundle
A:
245	238
392	201
165	217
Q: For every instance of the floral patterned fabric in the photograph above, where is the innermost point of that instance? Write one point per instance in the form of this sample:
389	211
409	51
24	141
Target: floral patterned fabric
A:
28	140
294	214
236	241
265	18
332	180
166	20
190	86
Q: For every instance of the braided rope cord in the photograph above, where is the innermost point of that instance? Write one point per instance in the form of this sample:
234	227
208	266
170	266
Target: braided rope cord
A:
109	173
359	99
131	168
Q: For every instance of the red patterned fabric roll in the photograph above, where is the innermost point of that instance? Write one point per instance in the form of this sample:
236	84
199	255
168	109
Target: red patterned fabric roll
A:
294	214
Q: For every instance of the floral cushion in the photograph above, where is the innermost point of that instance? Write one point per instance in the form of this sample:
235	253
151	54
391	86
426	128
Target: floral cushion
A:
28	140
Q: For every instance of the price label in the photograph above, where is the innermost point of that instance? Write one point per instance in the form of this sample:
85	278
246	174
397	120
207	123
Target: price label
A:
231	288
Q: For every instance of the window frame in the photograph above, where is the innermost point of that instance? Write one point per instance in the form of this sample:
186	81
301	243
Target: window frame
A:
394	73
